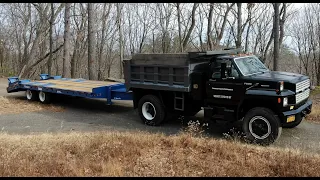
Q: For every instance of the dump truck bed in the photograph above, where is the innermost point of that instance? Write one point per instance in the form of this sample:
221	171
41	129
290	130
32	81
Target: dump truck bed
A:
169	72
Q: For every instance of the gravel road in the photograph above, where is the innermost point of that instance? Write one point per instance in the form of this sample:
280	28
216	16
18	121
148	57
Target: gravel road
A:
94	115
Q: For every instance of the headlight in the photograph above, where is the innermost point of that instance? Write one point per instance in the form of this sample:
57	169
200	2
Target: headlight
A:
285	101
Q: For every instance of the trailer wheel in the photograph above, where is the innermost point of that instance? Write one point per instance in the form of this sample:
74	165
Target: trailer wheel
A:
31	95
44	97
261	126
151	110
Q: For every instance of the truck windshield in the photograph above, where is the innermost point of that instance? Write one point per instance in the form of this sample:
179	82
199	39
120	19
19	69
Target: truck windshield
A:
250	65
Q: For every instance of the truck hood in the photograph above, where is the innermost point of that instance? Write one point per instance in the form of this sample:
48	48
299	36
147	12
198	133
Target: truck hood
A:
278	76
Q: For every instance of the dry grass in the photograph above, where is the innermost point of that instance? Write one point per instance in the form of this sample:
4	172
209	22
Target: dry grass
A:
15	106
314	116
142	154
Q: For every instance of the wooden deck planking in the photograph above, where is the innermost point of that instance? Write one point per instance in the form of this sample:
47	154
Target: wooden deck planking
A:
83	84
74	88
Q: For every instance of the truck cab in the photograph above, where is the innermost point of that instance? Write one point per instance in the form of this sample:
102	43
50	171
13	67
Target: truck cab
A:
242	87
227	85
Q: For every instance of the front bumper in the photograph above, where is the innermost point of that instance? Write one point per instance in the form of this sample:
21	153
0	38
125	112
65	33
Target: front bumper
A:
299	113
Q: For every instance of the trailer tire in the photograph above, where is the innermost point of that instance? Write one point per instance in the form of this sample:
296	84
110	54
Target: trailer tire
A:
151	110
270	122
31	95
44	97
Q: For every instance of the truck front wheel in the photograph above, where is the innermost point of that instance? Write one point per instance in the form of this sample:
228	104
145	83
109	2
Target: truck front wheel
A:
261	126
151	110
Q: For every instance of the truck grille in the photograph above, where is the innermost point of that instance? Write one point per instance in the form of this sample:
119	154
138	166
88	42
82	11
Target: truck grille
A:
302	96
300	86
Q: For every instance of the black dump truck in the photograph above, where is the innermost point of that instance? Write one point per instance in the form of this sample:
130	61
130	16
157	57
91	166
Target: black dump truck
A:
227	85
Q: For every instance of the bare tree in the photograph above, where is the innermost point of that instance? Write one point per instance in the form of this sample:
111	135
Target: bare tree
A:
66	72
179	26
219	24
106	12
121	45
80	39
276	36
187	37
91	44
282	19
49	63
239	29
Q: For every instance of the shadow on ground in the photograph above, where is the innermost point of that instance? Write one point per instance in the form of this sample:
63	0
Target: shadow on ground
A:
121	116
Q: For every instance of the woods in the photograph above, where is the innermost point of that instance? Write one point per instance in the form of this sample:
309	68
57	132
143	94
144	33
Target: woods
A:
91	40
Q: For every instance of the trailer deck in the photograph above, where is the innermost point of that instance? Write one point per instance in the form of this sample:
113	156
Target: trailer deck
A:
72	87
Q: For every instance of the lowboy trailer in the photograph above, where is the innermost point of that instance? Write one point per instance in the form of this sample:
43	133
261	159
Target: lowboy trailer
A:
49	85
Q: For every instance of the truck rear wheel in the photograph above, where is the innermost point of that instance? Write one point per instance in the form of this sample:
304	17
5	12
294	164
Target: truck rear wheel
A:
261	126
31	95
151	110
44	97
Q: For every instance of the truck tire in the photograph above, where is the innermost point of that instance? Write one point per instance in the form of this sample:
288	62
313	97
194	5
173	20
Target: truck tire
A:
31	95
151	110
261	126
44	97
292	124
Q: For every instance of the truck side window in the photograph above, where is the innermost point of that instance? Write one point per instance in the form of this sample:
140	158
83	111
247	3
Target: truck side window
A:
233	72
216	68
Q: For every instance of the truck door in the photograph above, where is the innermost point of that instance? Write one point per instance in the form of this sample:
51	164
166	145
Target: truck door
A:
224	88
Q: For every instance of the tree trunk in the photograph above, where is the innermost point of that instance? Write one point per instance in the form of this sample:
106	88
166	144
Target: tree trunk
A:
102	42
179	27
119	21
209	35
281	22
66	71
248	29
276	37
1	57
224	22
49	64
153	43
91	43
238	41
193	22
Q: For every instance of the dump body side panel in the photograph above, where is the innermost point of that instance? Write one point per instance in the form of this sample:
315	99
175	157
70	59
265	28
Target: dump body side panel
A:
168	72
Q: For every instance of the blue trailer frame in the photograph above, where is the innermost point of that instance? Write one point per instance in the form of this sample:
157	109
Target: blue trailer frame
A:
115	91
